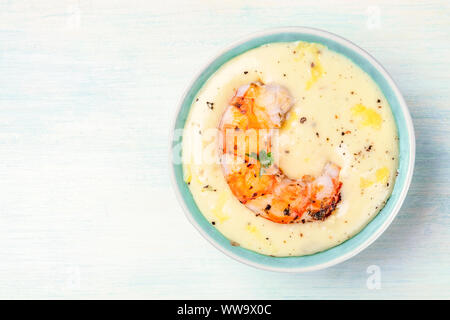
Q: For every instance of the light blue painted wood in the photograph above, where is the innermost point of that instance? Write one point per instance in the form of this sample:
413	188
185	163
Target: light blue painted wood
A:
88	90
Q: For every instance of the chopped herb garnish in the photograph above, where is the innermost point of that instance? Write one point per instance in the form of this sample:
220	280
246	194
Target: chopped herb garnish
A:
253	155
265	159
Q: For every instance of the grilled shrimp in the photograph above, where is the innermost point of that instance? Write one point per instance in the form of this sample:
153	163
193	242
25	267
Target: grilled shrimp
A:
246	133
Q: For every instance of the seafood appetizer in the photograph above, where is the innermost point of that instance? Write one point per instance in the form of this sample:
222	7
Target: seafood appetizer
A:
271	195
290	149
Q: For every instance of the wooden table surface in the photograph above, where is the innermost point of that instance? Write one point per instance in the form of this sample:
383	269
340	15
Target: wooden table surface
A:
88	90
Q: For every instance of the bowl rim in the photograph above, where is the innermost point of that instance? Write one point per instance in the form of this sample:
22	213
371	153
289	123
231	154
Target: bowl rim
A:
410	165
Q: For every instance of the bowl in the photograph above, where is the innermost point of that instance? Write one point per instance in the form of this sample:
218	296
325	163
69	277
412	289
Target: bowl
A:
374	228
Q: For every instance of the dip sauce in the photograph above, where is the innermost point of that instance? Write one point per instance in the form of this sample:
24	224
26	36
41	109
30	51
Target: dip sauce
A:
340	115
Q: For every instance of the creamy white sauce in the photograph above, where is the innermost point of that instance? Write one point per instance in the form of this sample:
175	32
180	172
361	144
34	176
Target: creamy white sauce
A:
348	121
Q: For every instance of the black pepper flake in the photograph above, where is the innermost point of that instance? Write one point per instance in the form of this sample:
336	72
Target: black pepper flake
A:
378	101
255	194
245	72
213	223
286	211
234	244
268	207
302	119
210	105
317	134
312	64
284	74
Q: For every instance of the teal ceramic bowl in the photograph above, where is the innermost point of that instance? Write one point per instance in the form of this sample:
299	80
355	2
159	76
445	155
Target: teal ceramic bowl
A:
367	235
